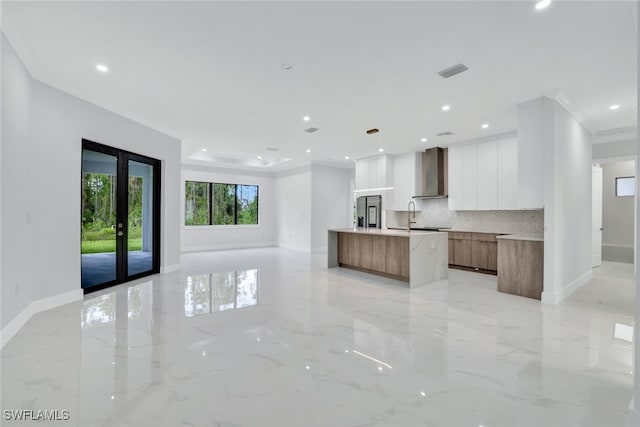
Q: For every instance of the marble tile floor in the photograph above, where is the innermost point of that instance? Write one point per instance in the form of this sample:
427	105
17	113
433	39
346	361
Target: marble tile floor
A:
270	337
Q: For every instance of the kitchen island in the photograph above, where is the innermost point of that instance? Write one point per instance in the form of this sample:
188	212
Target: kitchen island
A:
416	257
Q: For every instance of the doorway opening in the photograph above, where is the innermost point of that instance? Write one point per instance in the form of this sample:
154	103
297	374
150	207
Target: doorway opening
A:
120	222
616	210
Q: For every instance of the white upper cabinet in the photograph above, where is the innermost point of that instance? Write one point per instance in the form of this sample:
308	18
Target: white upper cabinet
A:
455	178
374	173
470	177
487	178
406	179
508	173
484	175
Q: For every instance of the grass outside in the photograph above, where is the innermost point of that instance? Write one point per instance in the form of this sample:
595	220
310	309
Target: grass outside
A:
102	246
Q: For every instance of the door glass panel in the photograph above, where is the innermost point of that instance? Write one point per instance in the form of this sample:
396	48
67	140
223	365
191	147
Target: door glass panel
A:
140	222
98	225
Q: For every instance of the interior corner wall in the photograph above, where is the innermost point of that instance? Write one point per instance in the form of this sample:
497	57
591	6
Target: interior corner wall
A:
567	200
17	267
330	202
42	134
293	208
618	214
201	238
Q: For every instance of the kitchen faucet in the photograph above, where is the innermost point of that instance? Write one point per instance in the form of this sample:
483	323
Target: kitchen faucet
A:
409	222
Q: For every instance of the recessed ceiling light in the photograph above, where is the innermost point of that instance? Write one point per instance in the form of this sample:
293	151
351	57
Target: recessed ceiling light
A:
614	107
286	67
346	157
446	107
306	118
259	157
485	125
424	140
102	68
543	4
308	150
381	149
204	150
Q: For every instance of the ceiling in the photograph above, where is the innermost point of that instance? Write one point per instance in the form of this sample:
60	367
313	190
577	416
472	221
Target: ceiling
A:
210	73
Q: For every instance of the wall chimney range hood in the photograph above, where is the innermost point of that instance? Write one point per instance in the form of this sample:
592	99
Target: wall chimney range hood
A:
433	177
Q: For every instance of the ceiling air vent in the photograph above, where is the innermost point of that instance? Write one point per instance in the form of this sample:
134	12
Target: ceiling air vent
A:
272	149
447	133
311	130
372	131
616	131
452	71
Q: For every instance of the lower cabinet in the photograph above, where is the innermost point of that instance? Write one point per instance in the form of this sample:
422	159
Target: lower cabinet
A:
521	268
473	251
385	255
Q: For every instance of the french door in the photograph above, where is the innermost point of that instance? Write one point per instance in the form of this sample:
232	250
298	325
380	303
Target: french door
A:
120	223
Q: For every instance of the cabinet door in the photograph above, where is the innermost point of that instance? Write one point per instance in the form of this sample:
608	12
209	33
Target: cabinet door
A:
452	251
455	178
508	174
487	180
462	252
352	257
342	248
373	173
404	180
492	256
379	253
479	254
470	177
385	171
397	259
365	246
362	174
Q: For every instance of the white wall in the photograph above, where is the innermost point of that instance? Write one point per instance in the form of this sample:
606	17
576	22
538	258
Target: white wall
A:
567	150
199	238
41	164
330	201
531	128
617	214
16	275
310	200
293	208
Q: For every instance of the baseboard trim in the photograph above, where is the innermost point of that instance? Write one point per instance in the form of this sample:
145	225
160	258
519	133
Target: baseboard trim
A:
169	268
35	307
205	248
557	297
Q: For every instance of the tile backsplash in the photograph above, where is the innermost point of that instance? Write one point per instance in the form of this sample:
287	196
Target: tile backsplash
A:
436	213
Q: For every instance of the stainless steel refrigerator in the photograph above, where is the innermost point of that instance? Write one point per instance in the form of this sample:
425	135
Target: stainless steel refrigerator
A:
369	211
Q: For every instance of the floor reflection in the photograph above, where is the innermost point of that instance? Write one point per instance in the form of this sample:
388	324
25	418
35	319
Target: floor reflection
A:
215	292
99	310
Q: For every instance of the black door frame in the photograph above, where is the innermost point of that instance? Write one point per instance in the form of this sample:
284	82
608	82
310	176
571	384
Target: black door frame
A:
122	212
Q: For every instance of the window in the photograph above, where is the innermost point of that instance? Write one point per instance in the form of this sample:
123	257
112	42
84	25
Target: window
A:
220	204
197	202
626	186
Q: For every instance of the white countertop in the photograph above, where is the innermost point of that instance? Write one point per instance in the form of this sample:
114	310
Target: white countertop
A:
501	234
382	232
468	230
534	237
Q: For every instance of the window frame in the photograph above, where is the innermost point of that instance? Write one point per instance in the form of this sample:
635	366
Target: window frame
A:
210	190
212	204
634	186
